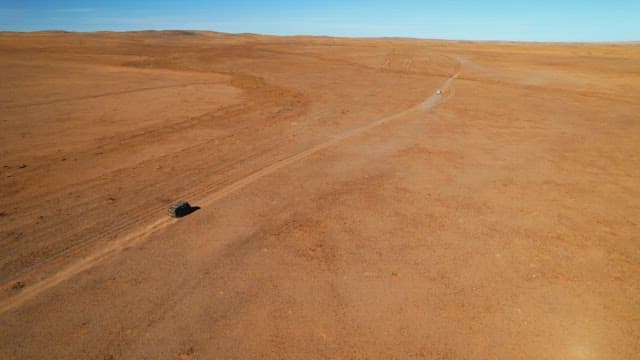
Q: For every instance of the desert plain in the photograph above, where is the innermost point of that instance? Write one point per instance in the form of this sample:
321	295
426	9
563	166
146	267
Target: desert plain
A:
347	209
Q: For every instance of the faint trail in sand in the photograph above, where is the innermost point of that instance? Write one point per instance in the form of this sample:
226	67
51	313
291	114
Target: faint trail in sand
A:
141	234
85	263
114	93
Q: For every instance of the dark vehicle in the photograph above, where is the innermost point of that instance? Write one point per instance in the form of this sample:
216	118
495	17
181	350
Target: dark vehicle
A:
180	209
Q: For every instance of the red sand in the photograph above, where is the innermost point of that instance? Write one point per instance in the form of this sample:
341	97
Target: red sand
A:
346	210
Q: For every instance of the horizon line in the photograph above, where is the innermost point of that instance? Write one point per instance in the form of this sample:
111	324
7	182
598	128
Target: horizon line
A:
626	42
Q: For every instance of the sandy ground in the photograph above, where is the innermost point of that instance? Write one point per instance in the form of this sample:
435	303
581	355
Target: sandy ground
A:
346	210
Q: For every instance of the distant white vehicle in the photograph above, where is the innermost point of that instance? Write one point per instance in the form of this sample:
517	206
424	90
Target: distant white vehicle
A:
439	92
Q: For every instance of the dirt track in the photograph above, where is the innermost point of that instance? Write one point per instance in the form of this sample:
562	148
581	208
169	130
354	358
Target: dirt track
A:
342	215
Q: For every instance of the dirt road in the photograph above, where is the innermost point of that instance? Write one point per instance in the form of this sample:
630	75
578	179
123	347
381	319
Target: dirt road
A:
206	198
338	218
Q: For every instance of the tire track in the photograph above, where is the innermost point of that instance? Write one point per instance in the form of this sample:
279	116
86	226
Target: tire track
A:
206	198
114	93
141	214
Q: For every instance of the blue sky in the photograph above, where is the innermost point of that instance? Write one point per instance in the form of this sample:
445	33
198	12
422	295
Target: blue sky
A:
541	20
